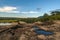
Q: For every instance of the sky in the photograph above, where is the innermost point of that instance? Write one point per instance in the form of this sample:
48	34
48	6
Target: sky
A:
27	8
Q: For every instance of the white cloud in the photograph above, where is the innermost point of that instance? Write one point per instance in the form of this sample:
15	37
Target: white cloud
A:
9	9
30	12
13	12
33	12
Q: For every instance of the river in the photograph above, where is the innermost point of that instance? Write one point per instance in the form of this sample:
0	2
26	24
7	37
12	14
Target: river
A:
3	24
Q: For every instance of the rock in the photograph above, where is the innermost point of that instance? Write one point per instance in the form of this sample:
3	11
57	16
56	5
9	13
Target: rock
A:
27	32
14	23
23	37
44	28
38	23
57	21
22	23
41	37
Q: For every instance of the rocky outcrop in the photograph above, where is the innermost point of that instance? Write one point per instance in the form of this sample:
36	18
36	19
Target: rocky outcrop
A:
24	31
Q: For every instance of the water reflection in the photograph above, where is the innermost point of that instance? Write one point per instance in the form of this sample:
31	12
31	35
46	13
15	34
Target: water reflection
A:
39	31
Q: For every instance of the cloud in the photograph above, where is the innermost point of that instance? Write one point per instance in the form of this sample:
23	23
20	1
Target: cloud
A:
13	12
30	12
9	9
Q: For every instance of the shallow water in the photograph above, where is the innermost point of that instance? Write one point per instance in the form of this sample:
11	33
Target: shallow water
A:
3	24
43	32
39	31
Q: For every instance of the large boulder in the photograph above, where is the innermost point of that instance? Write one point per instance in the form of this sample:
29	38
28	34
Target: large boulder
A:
37	23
